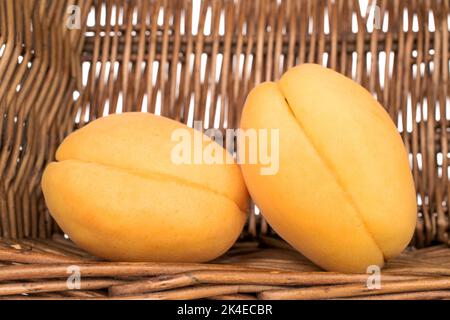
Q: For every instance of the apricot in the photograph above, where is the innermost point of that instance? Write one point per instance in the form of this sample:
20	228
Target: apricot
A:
116	191
344	194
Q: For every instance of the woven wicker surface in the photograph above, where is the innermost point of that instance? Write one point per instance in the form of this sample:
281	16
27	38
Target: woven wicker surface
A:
157	56
142	56
40	269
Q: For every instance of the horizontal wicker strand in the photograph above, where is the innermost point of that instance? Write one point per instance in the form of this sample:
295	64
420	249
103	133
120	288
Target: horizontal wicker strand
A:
160	56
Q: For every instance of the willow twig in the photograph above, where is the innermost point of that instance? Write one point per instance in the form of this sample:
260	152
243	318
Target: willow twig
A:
356	290
242	277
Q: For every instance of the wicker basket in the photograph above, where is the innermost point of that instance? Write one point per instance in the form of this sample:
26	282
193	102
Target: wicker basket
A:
64	63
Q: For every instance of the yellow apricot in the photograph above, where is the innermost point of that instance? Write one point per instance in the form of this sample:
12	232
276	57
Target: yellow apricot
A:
344	194
117	193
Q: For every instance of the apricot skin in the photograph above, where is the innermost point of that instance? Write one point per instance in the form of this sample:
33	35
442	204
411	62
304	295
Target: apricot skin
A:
344	195
116	192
